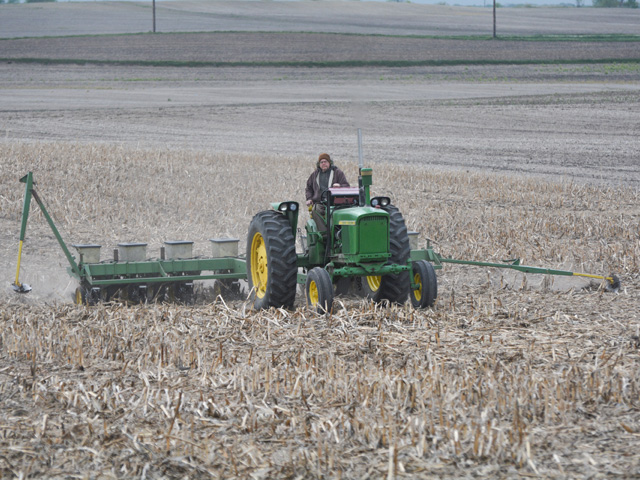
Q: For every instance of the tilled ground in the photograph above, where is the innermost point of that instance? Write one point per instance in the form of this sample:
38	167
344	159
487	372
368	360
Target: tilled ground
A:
494	381
310	48
506	377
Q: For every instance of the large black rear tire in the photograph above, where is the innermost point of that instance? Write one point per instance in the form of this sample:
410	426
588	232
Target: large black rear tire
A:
393	287
271	261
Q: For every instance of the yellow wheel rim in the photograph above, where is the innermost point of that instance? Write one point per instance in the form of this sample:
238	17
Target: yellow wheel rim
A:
78	296
417	293
374	282
313	293
259	268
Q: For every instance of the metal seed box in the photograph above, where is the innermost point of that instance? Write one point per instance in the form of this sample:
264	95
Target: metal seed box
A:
176	249
224	247
89	253
132	252
413	240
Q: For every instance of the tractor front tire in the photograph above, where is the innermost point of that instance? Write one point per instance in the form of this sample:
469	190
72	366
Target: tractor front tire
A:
425	276
271	261
319	290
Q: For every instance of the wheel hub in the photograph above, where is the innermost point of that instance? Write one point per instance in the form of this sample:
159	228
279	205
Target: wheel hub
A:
418	292
313	293
259	267
374	282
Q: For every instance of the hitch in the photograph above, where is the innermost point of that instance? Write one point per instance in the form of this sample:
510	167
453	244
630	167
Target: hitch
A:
613	282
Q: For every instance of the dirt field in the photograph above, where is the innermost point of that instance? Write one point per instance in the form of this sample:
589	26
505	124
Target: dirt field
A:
534	120
508	376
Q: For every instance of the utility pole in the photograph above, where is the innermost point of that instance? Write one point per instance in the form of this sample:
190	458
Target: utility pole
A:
154	17
494	18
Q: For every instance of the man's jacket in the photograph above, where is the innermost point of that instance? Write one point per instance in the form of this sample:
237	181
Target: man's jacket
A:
313	192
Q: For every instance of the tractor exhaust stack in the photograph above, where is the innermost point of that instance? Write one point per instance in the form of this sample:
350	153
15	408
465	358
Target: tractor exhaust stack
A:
360	166
364	176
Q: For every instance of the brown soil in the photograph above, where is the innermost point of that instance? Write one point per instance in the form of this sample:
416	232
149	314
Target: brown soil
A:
577	121
319	48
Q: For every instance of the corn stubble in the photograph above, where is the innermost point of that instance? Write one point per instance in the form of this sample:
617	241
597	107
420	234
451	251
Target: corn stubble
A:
507	376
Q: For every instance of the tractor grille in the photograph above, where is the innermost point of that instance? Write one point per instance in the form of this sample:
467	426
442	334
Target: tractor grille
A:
374	234
374	218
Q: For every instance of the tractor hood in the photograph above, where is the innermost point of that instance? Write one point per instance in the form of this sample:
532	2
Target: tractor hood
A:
362	234
348	216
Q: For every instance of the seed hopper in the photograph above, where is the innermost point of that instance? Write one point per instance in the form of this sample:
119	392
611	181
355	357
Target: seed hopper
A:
365	247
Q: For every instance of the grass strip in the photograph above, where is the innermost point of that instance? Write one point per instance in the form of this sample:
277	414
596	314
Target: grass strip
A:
606	38
308	64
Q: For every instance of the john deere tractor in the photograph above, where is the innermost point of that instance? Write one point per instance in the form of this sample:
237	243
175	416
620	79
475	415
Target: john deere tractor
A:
365	243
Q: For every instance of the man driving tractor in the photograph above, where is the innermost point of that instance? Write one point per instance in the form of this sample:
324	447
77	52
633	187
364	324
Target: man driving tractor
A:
324	176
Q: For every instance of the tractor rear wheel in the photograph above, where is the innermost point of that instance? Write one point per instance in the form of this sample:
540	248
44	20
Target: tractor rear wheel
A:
368	287
342	286
271	261
393	287
425	276
319	290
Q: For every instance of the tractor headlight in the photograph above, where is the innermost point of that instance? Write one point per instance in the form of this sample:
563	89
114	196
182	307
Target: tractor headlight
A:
288	207
380	201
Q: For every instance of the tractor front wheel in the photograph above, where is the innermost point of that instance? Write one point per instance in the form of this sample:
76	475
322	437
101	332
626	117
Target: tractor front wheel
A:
319	290
425	277
271	261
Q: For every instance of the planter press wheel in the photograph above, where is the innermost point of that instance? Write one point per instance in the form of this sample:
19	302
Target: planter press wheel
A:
185	293
137	293
80	296
86	296
227	288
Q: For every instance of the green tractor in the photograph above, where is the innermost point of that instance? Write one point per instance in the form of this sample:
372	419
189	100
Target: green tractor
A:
365	243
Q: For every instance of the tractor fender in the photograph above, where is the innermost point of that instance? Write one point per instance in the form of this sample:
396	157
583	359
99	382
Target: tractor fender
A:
290	209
